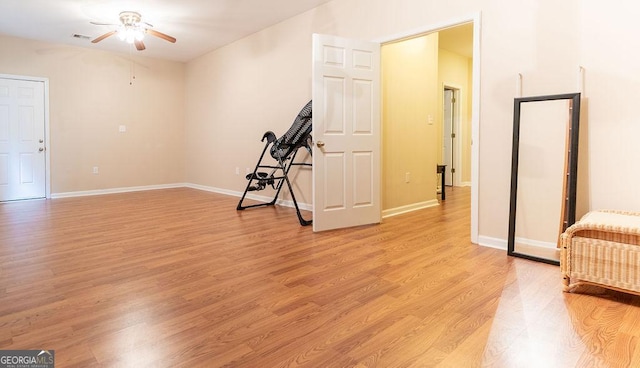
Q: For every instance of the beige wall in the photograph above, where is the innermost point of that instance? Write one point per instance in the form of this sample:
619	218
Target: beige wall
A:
234	94
260	82
453	71
90	97
239	92
410	141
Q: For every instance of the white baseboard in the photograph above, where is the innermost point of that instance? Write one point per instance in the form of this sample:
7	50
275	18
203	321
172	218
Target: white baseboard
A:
536	243
255	197
465	184
213	189
502	244
84	193
409	208
496	243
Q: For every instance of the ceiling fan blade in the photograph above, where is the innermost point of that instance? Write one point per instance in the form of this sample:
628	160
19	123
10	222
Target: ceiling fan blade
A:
139	45
96	40
161	35
103	24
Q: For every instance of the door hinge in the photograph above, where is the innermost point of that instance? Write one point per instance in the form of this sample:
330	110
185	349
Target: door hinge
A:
453	100
453	135
453	170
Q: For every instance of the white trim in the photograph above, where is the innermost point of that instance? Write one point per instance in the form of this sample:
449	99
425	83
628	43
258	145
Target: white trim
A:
475	130
502	244
47	140
465	184
476	18
409	208
259	198
536	243
47	156
233	193
401	36
84	193
205	188
489	242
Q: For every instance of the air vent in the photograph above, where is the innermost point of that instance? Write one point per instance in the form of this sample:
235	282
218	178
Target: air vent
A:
82	37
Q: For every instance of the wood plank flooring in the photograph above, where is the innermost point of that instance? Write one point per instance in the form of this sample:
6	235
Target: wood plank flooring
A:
179	278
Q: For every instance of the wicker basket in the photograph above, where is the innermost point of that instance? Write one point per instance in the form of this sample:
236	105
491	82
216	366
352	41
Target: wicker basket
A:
603	249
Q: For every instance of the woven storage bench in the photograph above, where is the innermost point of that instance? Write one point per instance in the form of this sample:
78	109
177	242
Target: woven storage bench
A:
602	249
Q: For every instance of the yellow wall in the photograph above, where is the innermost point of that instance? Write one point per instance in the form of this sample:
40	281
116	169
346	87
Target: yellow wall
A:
409	101
90	97
453	71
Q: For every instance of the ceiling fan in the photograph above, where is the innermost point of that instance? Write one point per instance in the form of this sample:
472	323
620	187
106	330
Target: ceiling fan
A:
132	30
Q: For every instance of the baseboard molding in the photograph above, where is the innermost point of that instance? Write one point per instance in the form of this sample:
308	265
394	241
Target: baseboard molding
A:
502	244
496	243
254	197
205	188
409	208
536	243
85	193
465	184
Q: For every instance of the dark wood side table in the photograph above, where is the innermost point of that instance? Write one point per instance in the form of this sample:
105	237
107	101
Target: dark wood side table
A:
440	169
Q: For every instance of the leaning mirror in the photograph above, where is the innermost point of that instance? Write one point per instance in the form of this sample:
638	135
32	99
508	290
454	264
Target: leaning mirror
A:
543	174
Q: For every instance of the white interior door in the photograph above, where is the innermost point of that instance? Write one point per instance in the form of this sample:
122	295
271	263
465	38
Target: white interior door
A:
346	131
22	137
448	137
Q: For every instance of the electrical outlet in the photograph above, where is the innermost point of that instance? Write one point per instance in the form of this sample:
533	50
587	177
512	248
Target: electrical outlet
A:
96	171
237	171
407	177
122	128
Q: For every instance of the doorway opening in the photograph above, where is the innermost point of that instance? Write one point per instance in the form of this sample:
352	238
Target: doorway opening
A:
450	135
457	59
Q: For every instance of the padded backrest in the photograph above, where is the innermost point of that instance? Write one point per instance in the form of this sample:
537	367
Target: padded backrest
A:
297	136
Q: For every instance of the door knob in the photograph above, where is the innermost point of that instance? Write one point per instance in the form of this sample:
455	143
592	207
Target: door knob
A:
320	144
40	149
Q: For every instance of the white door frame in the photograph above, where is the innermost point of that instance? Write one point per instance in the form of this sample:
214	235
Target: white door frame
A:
475	106
47	161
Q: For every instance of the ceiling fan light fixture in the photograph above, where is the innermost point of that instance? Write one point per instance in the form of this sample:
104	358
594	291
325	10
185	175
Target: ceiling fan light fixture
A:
130	34
132	30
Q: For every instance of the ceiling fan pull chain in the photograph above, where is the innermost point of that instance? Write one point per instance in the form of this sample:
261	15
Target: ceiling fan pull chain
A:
132	66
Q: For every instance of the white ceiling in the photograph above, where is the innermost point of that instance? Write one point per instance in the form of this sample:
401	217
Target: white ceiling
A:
199	25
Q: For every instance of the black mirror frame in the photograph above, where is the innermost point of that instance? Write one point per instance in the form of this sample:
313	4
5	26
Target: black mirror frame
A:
569	213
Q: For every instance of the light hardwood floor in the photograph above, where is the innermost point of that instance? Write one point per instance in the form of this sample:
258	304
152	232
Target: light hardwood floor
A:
179	278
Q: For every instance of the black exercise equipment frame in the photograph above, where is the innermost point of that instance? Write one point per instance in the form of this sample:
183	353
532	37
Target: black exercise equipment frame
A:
284	151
